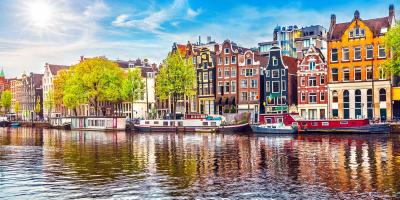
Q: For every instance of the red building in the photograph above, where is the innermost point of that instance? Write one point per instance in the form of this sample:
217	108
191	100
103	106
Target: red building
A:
227	55
312	85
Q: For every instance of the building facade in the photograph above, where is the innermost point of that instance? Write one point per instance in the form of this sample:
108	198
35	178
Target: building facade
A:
312	36
205	68
283	37
279	83
16	93
31	94
358	86
312	81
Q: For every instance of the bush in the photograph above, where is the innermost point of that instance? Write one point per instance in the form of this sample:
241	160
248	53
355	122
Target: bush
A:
226	110
233	110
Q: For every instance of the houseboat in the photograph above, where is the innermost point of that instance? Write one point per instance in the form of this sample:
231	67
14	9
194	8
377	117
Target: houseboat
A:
325	125
277	128
90	123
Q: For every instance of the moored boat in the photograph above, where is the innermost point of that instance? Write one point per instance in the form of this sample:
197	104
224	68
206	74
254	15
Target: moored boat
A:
277	128
235	128
15	124
184	125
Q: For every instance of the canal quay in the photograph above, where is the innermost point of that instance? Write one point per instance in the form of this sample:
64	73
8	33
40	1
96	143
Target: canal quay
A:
60	164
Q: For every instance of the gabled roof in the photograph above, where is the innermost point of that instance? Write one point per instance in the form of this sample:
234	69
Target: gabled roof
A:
55	68
375	25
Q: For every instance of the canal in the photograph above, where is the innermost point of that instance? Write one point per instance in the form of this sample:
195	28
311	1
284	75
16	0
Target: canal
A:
43	164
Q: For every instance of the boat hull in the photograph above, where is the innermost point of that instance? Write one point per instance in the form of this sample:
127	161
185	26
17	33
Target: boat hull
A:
235	128
267	130
141	128
373	128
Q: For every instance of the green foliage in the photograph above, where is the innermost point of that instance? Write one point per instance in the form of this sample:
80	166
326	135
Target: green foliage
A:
177	78
59	84
17	107
233	109
49	102
133	85
226	110
37	106
6	100
392	42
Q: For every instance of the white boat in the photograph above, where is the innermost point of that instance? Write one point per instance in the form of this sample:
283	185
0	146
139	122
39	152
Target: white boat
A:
279	128
184	125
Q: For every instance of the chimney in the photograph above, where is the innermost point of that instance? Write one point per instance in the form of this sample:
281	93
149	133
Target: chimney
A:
356	14
333	20
391	11
82	58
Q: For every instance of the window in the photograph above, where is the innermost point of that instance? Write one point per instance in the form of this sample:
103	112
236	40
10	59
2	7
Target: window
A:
312	81
357	104
369	73
219	73
233	87
268	87
381	51
226	50
233	60
243	84
248	61
303	81
346	104
253	84
253	96
362	33
345	54
275	73
334	97
357	53
282	72
382	94
346	74
306	43
226	60
275	87
226	72
220	60
312	97
244	96
382	73
322	96
351	34
267	73
369	52
322	79
274	61
334	55
250	72
233	72
220	88
357	74
227	87
369	104
283	85
312	65
303	97
205	76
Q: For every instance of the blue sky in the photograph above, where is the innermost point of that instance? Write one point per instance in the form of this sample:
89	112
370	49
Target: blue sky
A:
60	31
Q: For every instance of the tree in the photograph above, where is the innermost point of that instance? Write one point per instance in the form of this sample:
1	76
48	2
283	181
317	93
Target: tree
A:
37	108
133	86
49	102
392	42
93	80
6	100
177	78
17	107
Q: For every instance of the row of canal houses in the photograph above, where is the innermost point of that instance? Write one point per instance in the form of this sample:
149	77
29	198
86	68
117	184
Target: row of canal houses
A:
319	73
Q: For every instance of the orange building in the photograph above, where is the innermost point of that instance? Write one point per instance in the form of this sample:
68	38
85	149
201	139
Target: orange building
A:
358	85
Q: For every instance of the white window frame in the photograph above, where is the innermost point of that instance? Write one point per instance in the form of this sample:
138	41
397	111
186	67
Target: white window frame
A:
355	69
233	61
369	68
301	81
337	52
346	50
283	72
233	72
379	49
226	60
366	51
322	94
283	86
233	85
309	97
275	70
268	86
275	61
343	70
279	87
314	78
322	76
267	73
312	63
302	94
226	51
354	53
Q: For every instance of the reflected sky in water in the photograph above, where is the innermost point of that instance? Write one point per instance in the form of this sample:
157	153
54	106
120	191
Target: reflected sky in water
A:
42	164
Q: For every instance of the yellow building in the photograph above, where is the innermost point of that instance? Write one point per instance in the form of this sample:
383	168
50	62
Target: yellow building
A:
358	85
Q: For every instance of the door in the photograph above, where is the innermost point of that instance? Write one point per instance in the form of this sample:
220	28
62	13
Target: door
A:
383	114
322	114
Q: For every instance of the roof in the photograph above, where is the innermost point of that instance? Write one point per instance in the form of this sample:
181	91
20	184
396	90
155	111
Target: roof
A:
55	68
291	63
374	24
181	49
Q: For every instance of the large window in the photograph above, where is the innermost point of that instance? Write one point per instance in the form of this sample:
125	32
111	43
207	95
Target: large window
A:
226	60
253	96
335	97
275	87
243	84
275	73
219	73
382	94
303	97
312	97
346	74
283	85
322	79
369	104
322	96
369	52
312	65
357	73
205	76
335	75
233	61
312	81
358	104
250	72
233	72
226	50
244	96
253	84
220	88
274	61
345	54
219	61
357	53
369	73
381	51
334	55
226	72
227	87
248	61
233	87
346	104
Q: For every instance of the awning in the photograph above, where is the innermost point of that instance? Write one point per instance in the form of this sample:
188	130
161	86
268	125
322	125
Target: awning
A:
396	93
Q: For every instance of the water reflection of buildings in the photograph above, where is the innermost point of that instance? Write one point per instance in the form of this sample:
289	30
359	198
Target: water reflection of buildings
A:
191	163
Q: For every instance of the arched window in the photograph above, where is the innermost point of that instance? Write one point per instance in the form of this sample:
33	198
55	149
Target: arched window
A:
369	104
346	104
334	96
382	94
358	103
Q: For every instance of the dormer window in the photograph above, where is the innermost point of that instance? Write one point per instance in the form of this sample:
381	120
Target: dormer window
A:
356	33
131	65
248	62
274	61
226	50
312	65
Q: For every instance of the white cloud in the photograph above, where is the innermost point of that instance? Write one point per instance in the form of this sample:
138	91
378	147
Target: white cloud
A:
193	13
97	10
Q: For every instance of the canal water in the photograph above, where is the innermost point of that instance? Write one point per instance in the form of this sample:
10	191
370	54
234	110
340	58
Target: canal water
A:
43	164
